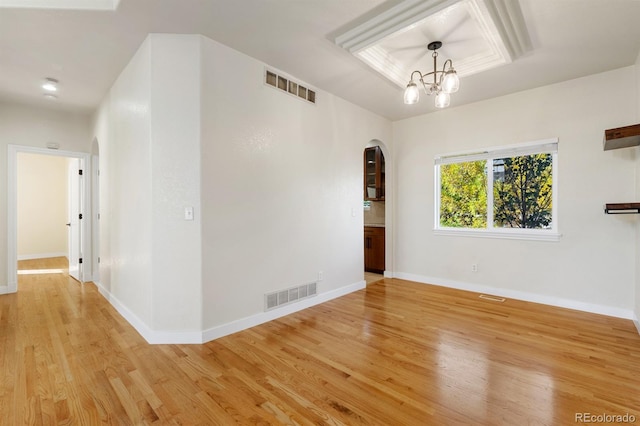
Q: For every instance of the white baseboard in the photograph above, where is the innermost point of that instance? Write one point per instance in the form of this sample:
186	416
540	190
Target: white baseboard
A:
521	295
198	337
151	336
41	255
4	289
262	317
636	322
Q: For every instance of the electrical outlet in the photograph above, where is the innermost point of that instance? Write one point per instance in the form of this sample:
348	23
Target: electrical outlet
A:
474	267
320	276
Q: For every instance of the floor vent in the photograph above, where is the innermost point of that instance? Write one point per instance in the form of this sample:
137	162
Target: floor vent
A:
290	295
492	298
285	84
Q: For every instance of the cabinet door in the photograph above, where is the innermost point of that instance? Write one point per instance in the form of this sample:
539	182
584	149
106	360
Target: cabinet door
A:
374	249
374	174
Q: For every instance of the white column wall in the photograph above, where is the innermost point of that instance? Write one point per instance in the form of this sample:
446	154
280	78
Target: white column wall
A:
175	173
148	129
593	265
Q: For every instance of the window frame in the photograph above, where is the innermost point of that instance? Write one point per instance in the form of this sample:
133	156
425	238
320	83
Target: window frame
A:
545	146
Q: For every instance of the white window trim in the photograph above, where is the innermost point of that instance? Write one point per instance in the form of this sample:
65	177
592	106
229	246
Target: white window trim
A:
529	148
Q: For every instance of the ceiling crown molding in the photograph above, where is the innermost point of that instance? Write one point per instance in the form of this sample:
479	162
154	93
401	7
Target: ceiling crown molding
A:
389	22
494	32
508	18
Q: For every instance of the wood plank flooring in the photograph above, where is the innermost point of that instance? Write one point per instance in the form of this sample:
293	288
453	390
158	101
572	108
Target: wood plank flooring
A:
396	353
372	277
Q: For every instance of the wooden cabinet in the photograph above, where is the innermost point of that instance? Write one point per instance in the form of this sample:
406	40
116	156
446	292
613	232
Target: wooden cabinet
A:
374	249
374	179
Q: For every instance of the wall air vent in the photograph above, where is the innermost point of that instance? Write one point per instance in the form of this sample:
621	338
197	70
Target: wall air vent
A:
273	79
294	294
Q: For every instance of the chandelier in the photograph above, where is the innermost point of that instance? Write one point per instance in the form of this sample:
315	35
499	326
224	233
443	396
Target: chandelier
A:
444	83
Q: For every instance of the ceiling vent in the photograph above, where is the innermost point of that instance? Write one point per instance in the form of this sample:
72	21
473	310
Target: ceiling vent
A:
273	79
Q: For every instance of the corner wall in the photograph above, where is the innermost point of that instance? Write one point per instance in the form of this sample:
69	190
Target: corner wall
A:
148	130
275	185
592	267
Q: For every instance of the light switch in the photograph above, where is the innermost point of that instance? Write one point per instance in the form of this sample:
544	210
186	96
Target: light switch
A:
188	213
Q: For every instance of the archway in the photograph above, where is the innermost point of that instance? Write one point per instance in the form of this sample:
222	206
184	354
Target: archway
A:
378	217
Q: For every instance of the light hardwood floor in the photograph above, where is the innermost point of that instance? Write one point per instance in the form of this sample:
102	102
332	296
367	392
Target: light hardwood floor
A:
395	353
371	277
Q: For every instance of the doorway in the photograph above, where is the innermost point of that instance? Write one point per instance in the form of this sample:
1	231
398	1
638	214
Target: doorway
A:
76	211
42	212
375	170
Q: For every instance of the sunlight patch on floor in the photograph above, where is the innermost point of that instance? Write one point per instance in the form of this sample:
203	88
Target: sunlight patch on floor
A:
40	271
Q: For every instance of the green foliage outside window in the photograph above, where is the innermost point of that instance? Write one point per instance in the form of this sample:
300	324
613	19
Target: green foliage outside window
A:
522	192
463	195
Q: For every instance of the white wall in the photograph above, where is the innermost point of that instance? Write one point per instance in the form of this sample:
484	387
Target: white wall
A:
593	265
128	173
148	132
280	180
29	126
42	206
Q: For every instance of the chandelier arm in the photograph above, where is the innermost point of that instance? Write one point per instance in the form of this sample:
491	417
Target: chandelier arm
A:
419	73
421	79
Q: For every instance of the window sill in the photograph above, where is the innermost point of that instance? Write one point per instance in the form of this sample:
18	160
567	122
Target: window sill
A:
510	234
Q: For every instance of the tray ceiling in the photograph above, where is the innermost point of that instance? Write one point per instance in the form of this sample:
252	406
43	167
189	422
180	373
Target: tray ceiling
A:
477	35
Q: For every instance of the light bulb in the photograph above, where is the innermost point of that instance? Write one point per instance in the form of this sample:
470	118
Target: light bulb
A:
442	100
450	82
50	85
411	93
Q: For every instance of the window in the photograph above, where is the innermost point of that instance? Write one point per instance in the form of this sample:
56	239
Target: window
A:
507	192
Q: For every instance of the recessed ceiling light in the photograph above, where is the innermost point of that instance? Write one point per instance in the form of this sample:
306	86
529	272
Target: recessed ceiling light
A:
50	96
50	85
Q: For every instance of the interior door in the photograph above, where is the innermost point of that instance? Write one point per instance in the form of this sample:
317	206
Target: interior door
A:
75	218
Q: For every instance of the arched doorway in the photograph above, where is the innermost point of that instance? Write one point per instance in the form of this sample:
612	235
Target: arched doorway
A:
378	199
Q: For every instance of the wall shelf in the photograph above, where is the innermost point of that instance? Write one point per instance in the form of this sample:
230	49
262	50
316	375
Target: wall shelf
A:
622	208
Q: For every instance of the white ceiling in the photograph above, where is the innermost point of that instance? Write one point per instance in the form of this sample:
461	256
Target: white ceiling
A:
86	50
